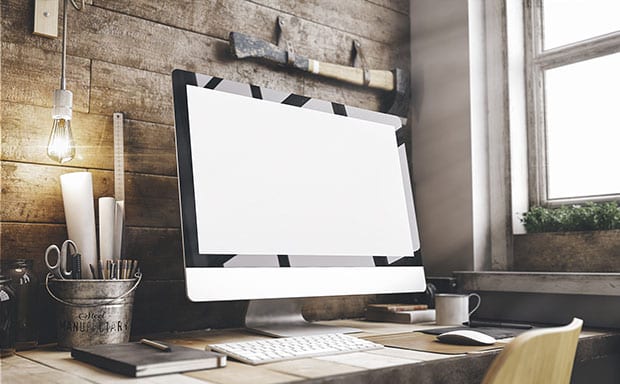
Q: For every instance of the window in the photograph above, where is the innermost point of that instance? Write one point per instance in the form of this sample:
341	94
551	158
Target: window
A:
573	87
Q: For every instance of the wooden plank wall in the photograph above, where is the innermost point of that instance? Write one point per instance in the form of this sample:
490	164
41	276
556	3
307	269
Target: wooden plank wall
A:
120	56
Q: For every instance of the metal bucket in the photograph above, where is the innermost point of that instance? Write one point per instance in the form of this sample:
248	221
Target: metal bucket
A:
92	312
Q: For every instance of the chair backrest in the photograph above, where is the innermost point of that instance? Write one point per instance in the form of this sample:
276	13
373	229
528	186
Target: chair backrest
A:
539	356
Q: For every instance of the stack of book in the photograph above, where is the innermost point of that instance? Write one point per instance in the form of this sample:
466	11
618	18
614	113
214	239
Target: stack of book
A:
400	313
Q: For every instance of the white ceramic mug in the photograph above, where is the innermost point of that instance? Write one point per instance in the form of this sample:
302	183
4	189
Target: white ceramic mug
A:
453	309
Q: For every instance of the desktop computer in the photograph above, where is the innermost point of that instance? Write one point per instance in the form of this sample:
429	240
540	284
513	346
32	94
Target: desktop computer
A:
285	196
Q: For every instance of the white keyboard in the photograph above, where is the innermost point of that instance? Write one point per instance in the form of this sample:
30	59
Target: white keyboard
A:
289	348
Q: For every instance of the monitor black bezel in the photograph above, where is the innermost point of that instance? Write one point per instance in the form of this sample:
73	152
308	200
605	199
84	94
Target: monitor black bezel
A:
187	206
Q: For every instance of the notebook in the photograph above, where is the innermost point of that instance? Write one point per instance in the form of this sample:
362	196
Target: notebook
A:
137	360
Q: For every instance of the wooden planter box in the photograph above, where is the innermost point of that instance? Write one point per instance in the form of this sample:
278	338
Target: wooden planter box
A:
595	251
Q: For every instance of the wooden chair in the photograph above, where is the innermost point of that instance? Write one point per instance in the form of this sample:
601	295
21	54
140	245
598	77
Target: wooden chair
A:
540	356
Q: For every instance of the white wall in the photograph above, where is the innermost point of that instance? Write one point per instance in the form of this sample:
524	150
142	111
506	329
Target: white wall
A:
449	134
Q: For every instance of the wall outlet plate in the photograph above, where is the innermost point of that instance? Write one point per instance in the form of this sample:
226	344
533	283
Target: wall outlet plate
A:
46	18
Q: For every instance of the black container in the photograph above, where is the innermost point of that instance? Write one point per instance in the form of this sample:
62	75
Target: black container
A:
8	317
24	285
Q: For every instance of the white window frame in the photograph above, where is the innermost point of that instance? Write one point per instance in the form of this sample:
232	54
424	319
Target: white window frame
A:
537	61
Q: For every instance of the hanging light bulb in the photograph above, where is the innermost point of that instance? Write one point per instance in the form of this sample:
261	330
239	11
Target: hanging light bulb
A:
61	147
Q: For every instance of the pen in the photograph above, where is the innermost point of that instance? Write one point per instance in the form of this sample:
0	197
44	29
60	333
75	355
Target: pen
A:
100	274
76	263
134	266
92	270
156	345
108	269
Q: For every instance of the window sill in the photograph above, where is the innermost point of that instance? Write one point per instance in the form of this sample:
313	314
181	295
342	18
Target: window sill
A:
565	283
545	297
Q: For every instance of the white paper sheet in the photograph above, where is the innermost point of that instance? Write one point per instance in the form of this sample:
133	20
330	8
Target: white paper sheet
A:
107	211
119	221
279	179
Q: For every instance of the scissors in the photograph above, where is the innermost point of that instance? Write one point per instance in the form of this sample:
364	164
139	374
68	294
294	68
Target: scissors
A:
59	269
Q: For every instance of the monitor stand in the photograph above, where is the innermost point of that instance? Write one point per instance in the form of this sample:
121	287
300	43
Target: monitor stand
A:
283	318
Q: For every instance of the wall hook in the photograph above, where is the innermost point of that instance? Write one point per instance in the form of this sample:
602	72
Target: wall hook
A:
284	40
360	61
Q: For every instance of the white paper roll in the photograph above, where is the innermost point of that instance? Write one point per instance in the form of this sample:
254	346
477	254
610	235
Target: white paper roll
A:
119	223
78	200
107	211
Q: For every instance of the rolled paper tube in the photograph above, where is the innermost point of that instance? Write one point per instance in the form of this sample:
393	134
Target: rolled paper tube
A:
107	212
119	218
78	201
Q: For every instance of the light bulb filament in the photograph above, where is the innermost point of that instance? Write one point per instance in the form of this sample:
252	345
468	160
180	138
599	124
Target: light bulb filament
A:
61	147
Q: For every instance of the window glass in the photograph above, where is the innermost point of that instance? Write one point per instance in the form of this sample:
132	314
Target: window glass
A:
583	128
569	21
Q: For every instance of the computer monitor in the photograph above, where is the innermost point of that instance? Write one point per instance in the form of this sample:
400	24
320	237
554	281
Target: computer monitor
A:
285	196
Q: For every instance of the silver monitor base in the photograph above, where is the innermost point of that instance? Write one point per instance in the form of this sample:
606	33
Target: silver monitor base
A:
283	318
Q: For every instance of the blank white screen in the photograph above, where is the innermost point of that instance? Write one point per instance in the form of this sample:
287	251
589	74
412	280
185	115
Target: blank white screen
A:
271	178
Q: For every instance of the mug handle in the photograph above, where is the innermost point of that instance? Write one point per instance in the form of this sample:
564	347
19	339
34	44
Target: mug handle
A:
477	305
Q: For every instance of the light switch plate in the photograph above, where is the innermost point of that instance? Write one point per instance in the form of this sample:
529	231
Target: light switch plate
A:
46	18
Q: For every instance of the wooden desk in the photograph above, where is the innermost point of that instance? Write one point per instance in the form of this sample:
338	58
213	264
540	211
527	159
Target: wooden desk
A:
389	365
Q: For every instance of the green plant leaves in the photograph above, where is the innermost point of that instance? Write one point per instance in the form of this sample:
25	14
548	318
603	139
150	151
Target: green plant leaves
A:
587	217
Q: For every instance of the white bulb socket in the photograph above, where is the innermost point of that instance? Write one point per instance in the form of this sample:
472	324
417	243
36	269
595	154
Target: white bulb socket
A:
63	104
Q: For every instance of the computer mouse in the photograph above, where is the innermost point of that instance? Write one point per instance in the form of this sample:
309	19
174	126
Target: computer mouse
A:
466	337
